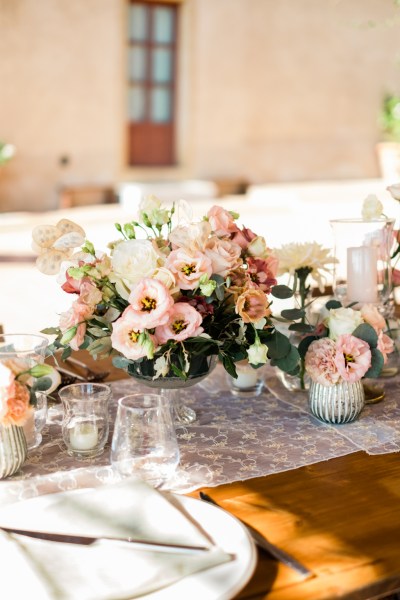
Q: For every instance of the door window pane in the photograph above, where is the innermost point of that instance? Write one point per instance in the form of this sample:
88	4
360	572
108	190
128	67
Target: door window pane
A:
138	22
163	29
137	63
136	103
160	111
161	65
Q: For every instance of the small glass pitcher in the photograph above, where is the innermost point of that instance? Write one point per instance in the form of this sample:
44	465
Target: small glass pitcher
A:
85	425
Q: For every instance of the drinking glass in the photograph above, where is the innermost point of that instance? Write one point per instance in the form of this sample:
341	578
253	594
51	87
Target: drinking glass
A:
144	442
20	352
249	381
85	425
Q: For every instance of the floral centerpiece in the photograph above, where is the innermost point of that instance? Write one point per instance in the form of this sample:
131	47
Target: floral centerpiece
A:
169	294
304	262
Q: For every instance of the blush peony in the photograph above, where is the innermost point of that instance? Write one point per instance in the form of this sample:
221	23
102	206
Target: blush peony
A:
320	362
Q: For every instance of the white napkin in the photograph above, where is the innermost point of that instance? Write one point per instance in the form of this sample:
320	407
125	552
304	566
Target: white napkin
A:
106	570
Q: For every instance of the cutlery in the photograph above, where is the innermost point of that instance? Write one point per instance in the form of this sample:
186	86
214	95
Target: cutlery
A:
86	540
267	546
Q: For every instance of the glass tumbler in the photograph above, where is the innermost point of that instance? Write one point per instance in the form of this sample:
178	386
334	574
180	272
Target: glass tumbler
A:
144	442
85	425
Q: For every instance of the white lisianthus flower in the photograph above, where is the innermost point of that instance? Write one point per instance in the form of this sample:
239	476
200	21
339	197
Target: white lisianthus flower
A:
132	261
257	353
311	255
151	212
372	208
342	320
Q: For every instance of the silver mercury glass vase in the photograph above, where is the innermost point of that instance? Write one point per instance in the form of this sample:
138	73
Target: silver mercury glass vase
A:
13	450
338	403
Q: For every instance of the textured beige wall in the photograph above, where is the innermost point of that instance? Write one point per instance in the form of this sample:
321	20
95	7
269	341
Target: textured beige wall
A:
61	94
269	90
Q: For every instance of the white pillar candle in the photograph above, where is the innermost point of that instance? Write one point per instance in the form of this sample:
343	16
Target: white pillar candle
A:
362	274
247	377
84	436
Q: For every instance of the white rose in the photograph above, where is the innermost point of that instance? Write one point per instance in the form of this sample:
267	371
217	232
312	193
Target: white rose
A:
372	208
150	211
257	353
132	261
342	320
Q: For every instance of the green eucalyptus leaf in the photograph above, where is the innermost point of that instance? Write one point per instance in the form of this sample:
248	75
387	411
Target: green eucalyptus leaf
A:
42	384
377	362
229	366
301	327
120	362
289	363
66	353
278	345
51	330
293	314
333	304
282	292
305	344
367	333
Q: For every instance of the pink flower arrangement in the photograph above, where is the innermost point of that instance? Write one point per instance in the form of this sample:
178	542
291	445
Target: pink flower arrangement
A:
188	289
349	345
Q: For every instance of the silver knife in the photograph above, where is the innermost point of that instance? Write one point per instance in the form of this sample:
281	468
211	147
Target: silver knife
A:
86	540
263	543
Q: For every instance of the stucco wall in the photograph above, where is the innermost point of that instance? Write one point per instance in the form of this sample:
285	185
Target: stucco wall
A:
269	91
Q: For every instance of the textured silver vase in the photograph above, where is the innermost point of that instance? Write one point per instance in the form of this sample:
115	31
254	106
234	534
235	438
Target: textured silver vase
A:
13	450
339	403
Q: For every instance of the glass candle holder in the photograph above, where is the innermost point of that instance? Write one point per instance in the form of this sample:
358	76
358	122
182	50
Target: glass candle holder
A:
362	273
249	381
85	425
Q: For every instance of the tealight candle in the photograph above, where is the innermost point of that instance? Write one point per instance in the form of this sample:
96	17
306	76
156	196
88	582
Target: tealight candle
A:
84	436
247	377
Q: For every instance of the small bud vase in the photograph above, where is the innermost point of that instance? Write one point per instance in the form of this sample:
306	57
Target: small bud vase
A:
13	450
338	403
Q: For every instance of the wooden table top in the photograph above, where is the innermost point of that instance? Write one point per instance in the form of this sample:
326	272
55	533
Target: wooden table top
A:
340	518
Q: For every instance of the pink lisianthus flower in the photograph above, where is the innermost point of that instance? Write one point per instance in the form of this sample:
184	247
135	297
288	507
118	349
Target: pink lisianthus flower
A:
184	322
188	267
252	305
385	345
320	362
150	302
353	357
76	316
221	221
263	272
125	337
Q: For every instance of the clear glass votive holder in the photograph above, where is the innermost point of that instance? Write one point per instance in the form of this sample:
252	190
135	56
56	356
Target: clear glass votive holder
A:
36	421
85	425
144	442
249	381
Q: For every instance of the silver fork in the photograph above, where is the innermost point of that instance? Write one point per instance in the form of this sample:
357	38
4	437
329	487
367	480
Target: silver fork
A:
264	544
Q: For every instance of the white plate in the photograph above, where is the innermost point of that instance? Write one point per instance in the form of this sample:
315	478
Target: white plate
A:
222	582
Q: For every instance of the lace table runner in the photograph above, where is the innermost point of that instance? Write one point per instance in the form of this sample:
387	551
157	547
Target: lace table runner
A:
233	438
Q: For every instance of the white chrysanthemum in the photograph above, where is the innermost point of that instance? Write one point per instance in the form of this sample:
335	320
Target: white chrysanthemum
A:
372	208
311	255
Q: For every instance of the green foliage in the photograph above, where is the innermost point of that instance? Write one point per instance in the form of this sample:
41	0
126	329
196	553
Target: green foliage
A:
283	292
367	333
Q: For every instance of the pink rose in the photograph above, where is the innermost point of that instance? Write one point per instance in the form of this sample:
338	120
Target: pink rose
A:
243	237
224	255
221	221
188	267
89	293
373	317
385	345
194	235
263	272
125	336
353	357
150	302
18	407
320	362
184	322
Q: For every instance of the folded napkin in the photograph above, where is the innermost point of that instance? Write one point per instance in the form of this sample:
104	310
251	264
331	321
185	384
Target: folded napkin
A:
106	570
